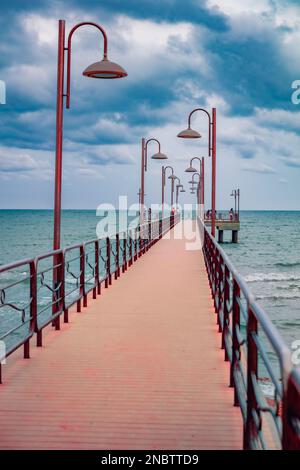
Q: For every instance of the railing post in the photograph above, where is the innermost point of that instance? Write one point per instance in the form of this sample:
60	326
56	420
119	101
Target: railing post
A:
226	301
108	267
96	289
117	257
124	264
235	342
216	282
145	234
213	271
220	296
160	228
61	276
171	221
55	283
250	431
82	275
149	244
56	293
98	249
140	240
33	308
130	248
136	247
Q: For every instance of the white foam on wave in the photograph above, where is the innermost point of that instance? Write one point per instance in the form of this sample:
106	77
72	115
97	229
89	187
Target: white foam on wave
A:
271	277
286	296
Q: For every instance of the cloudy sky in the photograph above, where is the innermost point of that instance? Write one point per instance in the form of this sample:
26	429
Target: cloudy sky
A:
240	57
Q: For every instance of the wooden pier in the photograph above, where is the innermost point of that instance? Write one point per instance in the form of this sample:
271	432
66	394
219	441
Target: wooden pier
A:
140	368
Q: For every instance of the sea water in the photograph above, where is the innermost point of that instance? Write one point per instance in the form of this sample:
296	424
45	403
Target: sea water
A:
267	255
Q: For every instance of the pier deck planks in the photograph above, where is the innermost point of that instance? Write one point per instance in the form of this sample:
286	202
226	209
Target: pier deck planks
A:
140	368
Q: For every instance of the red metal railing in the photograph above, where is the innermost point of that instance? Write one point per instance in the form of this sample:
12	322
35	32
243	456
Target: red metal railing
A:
36	292
258	357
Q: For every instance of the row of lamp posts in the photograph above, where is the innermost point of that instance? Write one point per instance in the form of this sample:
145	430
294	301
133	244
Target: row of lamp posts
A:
105	69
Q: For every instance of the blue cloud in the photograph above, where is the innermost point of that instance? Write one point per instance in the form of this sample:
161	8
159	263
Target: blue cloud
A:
216	60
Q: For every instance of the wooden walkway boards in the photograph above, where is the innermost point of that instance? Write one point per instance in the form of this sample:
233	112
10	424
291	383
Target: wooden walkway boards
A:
140	368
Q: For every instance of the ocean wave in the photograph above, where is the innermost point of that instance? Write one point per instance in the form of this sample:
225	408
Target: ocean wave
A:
287	264
287	296
271	277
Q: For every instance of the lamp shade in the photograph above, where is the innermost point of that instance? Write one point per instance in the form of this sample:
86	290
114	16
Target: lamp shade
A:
191	169
105	69
189	134
159	156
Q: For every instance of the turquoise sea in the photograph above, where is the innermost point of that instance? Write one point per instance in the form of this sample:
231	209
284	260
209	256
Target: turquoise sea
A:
267	255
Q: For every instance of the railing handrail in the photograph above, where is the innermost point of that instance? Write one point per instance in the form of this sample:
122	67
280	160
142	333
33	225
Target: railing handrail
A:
269	328
227	285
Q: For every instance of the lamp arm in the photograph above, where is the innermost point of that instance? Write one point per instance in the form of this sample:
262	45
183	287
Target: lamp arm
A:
165	168
146	149
69	51
195	174
196	158
209	126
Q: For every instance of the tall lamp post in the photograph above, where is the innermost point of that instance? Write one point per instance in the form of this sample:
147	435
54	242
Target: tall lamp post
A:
199	192
178	186
163	184
157	156
236	194
191	169
190	133
175	178
103	69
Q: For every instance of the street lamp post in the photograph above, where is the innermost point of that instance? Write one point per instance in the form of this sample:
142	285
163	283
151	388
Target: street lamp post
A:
163	184
236	194
175	178
178	186
190	133
200	195
144	158
172	177
103	69
199	192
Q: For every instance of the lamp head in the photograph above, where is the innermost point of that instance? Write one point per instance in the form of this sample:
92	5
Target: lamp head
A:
189	134
104	69
191	169
159	156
